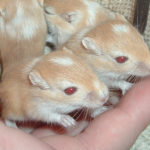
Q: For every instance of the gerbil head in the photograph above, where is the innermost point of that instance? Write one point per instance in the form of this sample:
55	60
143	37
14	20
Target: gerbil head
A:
73	12
119	47
62	78
16	16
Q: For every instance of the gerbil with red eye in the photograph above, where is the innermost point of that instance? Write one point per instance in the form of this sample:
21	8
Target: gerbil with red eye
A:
114	50
48	88
67	18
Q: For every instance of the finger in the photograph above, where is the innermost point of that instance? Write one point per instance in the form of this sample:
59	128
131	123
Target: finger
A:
15	139
137	101
121	126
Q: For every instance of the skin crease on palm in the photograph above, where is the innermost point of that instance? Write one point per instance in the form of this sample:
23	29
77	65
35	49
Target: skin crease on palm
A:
116	129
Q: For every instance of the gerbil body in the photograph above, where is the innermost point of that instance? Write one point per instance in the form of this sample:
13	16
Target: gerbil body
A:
23	30
70	16
41	89
114	50
36	87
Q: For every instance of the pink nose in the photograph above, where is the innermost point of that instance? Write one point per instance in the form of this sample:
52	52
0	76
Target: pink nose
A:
95	97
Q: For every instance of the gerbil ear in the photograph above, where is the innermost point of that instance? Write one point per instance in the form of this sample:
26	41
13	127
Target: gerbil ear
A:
36	80
91	45
71	17
121	17
49	10
65	49
41	2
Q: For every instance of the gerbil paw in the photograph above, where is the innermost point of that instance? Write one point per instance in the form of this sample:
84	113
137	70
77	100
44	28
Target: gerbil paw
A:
114	99
100	110
126	87
67	121
10	123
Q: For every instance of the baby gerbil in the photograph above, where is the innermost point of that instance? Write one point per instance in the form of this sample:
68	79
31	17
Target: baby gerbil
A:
23	29
114	50
49	87
66	17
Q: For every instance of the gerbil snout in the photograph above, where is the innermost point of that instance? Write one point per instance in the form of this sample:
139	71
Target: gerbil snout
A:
98	98
93	97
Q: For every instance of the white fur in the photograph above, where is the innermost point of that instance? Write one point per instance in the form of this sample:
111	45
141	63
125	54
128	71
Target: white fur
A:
93	8
47	50
115	80
117	52
20	26
104	93
96	85
10	123
2	26
51	111
120	28
65	61
65	84
29	28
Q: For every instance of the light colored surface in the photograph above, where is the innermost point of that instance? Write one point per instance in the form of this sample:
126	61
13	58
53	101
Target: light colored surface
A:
147	30
143	142
126	8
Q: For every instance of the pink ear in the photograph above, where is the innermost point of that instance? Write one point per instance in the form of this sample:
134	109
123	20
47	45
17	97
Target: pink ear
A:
91	45
36	80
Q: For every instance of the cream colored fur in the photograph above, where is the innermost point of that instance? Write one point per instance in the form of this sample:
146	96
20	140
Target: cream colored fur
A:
34	90
100	46
70	16
22	30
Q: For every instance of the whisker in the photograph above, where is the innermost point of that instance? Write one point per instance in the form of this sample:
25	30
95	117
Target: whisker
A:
129	78
82	111
74	115
132	80
86	114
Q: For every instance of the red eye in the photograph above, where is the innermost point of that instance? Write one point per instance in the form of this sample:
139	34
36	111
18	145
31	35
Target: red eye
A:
70	90
121	59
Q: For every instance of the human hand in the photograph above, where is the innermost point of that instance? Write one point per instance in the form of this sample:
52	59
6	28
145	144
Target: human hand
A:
116	129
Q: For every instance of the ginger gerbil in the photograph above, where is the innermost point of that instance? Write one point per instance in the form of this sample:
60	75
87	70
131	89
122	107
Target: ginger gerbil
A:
49	87
66	17
114	50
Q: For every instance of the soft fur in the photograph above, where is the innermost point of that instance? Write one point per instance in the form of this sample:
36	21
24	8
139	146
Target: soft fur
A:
70	16
23	30
100	46
34	89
